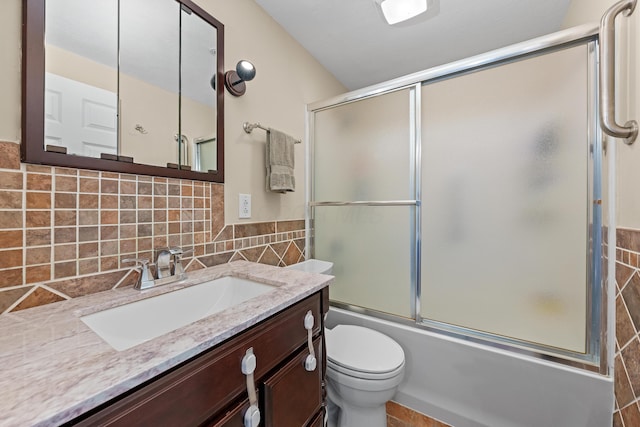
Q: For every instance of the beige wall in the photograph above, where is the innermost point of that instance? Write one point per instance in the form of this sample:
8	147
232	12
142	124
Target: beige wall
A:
81	69
585	11
628	98
10	27
287	78
629	157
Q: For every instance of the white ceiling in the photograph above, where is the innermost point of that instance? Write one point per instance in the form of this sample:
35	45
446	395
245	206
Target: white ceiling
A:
149	41
351	39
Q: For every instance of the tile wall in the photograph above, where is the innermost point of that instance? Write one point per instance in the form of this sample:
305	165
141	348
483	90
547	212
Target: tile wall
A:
65	232
627	361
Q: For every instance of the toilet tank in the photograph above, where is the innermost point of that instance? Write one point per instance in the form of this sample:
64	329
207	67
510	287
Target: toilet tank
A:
313	266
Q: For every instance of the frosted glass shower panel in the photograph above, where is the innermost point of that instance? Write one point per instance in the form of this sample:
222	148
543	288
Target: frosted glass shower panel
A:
362	150
505	220
371	251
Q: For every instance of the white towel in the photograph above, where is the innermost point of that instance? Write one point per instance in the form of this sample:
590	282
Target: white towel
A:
280	162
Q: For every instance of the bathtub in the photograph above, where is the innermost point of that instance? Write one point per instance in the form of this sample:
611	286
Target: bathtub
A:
471	385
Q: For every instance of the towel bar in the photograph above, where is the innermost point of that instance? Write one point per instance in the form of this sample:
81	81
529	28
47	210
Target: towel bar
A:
249	127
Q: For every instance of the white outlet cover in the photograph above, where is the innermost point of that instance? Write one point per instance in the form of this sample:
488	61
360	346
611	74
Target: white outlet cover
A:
244	205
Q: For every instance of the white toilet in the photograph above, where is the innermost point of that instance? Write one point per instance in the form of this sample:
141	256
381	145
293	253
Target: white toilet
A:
364	369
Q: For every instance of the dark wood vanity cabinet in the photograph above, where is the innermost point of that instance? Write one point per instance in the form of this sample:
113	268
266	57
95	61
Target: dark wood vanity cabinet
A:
293	394
210	389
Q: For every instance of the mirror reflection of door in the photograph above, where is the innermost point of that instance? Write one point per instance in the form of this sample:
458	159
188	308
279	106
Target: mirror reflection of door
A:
80	117
155	97
81	80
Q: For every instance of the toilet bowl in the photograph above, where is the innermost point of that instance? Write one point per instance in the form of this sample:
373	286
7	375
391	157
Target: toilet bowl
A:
364	369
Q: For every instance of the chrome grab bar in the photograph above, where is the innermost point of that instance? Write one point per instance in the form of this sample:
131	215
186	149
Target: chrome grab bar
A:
607	74
361	203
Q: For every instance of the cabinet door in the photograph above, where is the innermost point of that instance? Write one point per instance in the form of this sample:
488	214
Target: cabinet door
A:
293	395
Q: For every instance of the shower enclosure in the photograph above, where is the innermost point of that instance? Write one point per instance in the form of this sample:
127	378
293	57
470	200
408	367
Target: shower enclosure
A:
467	199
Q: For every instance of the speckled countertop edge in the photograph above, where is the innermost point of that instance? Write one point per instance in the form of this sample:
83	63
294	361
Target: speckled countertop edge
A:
55	368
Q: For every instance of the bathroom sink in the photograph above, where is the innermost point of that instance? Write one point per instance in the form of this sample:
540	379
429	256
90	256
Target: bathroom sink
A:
130	324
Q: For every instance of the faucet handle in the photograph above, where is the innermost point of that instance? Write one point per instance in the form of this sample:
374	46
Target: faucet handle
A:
139	261
180	251
145	280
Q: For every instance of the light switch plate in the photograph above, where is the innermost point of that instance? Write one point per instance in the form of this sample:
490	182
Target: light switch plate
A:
244	208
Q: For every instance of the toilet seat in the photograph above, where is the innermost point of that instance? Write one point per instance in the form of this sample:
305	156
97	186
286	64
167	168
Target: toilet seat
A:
333	367
363	353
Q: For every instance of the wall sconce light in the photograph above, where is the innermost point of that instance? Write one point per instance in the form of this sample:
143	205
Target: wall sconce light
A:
234	79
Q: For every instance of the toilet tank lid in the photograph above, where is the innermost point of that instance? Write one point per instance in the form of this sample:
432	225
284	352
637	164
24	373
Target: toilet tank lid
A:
313	266
363	349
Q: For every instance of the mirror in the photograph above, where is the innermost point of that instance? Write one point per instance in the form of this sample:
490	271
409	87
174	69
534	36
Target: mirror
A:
197	98
125	86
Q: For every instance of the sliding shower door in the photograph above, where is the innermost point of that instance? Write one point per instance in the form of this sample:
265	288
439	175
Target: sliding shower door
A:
364	201
505	184
468	199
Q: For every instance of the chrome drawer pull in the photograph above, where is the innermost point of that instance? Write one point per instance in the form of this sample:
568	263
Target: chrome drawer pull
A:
252	415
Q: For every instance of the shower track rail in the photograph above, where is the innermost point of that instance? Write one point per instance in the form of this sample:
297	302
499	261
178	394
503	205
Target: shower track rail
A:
369	203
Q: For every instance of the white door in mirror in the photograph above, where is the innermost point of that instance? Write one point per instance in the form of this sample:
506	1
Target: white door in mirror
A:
90	125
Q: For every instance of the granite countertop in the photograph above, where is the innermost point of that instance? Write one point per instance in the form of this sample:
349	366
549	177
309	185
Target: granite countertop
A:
55	368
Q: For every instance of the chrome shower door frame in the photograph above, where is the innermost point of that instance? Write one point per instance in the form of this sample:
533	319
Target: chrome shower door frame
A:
597	353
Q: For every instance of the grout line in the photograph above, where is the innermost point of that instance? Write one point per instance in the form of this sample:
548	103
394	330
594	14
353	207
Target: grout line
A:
636	336
52	218
636	401
53	291
11	288
24	227
124	276
19	300
626	373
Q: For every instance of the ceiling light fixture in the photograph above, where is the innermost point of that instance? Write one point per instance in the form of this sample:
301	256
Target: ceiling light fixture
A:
395	11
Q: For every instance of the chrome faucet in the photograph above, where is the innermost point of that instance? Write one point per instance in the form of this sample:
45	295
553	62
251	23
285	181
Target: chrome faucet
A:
145	281
164	273
178	268
163	264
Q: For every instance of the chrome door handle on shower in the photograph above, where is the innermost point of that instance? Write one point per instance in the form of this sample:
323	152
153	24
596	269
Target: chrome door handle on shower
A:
607	74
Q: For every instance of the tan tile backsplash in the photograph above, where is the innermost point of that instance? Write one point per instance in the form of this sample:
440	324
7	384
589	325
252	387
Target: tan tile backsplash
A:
627	361
64	232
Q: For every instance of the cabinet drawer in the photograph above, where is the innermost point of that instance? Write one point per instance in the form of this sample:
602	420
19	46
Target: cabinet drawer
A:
293	395
234	417
195	391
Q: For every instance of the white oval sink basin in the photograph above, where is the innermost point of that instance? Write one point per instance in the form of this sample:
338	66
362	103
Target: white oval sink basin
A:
131	324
